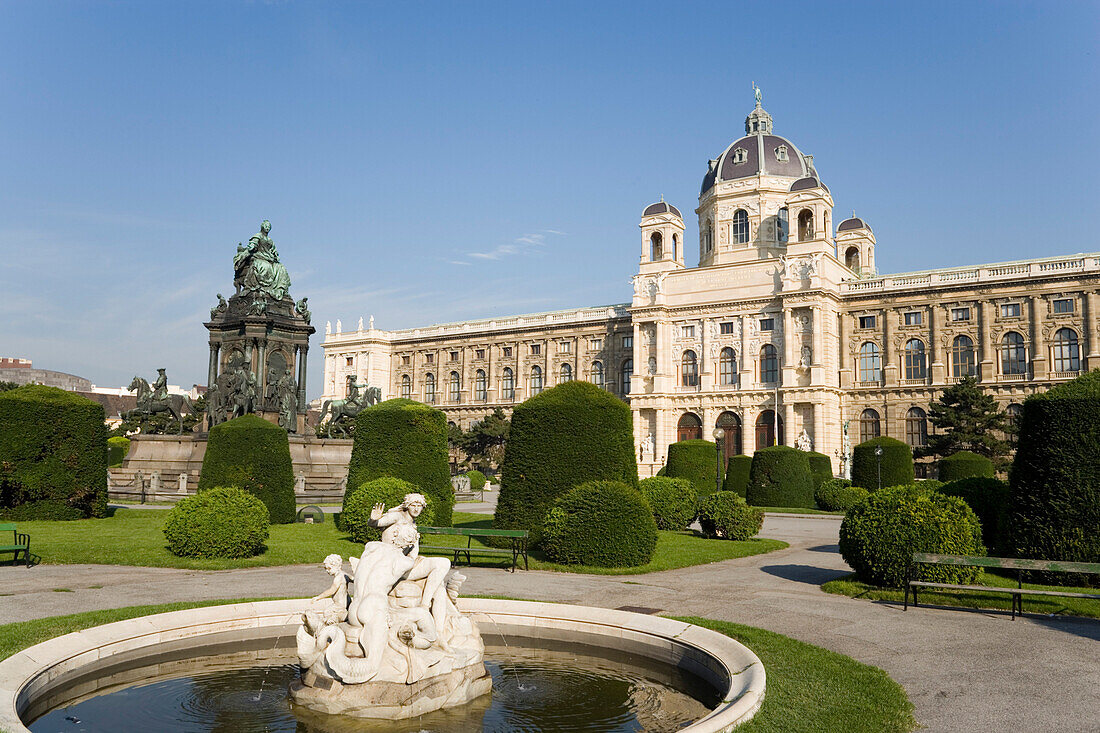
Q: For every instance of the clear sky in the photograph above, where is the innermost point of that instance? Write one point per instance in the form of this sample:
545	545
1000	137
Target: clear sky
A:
437	162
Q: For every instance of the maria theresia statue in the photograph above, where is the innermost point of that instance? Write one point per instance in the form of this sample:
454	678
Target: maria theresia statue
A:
256	268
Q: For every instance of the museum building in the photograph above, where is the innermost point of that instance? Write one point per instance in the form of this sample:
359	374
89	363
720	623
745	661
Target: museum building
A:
784	332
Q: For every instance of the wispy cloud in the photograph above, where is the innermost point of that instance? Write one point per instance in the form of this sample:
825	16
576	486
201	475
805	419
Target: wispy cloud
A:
527	244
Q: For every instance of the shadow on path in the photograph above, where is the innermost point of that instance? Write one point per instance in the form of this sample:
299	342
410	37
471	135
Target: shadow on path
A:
804	573
825	548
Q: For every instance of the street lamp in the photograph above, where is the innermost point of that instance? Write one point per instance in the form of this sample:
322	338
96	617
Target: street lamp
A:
878	455
718	434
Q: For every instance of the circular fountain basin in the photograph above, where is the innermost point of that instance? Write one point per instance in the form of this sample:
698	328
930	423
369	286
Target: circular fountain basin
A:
86	664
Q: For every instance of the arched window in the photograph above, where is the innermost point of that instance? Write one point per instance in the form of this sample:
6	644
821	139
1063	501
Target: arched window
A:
731	441
536	380
741	226
870	362
597	374
916	427
708	236
916	364
868	425
566	373
406	386
656	251
508	385
962	357
1013	412
769	363
481	385
689	369
1067	353
429	388
624	377
783	225
689	427
805	225
675	247
727	367
456	387
766	424
1013	354
851	259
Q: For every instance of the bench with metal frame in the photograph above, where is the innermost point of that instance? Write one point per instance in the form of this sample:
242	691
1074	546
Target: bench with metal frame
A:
518	538
1000	563
21	542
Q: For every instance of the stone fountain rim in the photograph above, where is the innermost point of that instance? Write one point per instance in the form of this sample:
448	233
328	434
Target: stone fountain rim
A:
730	666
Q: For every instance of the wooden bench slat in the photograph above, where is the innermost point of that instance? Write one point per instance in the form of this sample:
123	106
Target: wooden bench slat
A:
13	547
464	532
1031	592
475	550
954	586
1007	563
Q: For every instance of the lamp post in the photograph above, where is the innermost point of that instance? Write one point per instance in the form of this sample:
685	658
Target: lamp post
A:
718	434
878	456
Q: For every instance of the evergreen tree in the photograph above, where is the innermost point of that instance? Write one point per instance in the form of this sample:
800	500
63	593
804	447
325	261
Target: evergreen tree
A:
966	419
484	442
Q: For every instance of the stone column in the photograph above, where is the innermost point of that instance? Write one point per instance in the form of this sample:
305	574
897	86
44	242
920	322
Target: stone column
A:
985	348
302	351
937	368
844	365
789	364
748	432
889	362
261	377
1038	346
789	433
1089	327
212	375
819	428
747	360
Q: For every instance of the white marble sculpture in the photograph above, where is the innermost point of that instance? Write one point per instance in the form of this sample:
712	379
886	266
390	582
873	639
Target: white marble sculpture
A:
395	645
804	442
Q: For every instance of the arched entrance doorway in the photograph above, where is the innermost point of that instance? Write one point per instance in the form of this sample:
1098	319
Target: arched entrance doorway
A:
731	441
690	427
765	429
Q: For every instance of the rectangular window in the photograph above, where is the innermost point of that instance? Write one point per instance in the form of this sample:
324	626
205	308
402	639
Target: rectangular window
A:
1010	310
687	332
915	318
405	360
595	344
454	356
429	358
960	314
507	352
1064	305
348	361
767	324
628	342
536	349
564	347
866	321
726	327
481	353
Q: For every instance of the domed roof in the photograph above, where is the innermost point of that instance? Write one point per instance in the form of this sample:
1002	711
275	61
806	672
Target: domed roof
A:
661	207
852	223
804	184
758	151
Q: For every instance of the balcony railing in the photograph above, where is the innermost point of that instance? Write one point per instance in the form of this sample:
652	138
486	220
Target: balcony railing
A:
1023	269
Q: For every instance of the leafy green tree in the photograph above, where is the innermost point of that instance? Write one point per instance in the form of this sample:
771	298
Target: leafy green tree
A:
966	418
484	442
5	386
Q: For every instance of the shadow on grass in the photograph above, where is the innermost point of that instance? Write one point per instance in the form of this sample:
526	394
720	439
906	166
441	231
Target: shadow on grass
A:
804	573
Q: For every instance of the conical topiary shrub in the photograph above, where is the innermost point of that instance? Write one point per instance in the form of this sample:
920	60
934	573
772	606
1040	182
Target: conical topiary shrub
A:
780	476
897	464
252	454
697	461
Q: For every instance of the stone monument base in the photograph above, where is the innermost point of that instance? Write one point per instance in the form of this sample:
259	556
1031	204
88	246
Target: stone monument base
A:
391	700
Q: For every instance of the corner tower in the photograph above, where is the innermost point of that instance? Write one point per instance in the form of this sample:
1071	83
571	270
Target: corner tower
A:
662	238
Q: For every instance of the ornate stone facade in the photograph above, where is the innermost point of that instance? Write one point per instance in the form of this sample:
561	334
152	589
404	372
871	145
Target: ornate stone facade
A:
781	312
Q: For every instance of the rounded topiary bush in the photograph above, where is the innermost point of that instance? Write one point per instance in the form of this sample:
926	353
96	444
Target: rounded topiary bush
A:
477	480
387	491
1054	503
117	448
695	460
725	515
252	454
897	463
559	439
988	497
880	534
780	476
53	454
219	522
821	467
406	440
963	464
672	501
605	524
838	495
737	475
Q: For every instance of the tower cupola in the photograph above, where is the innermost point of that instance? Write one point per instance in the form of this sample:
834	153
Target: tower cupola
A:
662	237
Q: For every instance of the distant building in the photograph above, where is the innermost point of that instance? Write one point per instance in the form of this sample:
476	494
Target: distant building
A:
21	371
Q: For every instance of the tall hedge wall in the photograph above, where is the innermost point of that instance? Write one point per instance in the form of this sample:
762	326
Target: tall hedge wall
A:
1054	504
564	437
963	464
406	440
821	468
53	453
897	463
252	454
780	476
695	460
737	475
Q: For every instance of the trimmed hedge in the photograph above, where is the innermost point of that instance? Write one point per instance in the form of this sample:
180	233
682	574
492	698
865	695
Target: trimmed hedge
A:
223	521
477	480
725	515
1054	505
988	497
53	453
406	440
821	467
838	495
737	475
117	448
672	501
45	510
879	535
897	463
252	454
605	524
387	491
780	476
566	436
695	460
963	464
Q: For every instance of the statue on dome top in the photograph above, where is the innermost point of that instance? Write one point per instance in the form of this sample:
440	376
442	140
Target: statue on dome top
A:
757	93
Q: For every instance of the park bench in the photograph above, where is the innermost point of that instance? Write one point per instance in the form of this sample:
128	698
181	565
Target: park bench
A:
470	495
518	538
1001	563
20	543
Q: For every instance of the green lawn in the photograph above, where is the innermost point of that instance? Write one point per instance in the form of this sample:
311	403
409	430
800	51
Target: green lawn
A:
813	690
134	537
849	586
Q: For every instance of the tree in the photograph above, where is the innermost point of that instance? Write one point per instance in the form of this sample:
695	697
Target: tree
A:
5	386
484	442
966	419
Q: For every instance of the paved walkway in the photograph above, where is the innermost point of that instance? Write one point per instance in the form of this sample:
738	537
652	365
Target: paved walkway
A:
964	670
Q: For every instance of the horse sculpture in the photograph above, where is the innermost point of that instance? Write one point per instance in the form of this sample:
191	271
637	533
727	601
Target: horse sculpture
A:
174	404
337	410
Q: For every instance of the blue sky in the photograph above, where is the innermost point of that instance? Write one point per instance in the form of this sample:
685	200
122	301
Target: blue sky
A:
436	162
